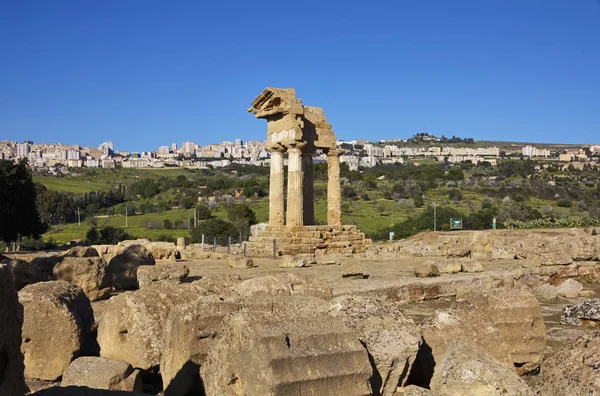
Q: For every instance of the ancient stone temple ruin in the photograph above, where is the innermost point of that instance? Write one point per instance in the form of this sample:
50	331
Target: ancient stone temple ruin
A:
299	131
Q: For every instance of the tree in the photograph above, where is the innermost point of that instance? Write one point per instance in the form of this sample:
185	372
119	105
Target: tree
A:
18	212
167	225
212	228
242	217
203	212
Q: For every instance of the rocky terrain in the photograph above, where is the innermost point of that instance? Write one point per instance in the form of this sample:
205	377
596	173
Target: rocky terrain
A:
465	313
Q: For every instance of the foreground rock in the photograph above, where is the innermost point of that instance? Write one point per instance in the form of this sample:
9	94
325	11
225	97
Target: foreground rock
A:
585	313
58	320
391	338
240	262
131	326
188	333
506	322
102	373
23	272
293	262
82	251
12	381
574	369
468	370
569	288
148	274
267	355
426	270
123	267
284	285
87	272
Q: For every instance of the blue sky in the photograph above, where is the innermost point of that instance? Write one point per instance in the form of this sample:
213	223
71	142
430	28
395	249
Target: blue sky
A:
149	73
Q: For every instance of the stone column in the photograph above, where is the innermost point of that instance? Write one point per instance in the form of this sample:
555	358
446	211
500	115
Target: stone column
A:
295	195
276	208
334	190
309	194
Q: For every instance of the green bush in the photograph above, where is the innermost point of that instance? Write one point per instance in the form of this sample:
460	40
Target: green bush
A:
212	228
167	225
203	212
106	236
418	201
564	203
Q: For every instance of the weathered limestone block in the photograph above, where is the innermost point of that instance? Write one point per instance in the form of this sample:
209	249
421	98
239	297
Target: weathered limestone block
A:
285	285
23	272
391	338
57	324
573	370
87	272
293	262
82	251
12	381
149	274
188	334
265	354
466	369
425	270
130	328
546	292
101	373
470	265
507	322
448	266
240	262
123	267
163	250
584	313
569	288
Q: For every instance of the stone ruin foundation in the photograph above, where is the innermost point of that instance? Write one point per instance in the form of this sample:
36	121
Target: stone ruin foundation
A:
299	131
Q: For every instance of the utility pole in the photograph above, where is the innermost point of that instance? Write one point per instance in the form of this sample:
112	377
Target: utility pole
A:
434	217
126	223
78	217
195	218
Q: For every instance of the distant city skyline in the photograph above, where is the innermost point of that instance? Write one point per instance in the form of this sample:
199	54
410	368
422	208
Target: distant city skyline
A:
144	75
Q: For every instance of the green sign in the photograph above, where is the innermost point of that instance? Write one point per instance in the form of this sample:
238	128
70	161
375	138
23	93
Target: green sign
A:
455	224
494	223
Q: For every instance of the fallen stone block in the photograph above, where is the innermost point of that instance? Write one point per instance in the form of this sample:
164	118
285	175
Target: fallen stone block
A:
507	322
569	288
293	262
148	274
466	369
188	334
584	313
426	270
448	266
87	272
573	370
12	381
471	266
391	338
24	273
240	262
288	284
123	266
265	354
57	325
101	373
82	251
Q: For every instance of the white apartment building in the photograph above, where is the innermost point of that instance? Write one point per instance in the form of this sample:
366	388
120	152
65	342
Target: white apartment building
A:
23	149
532	151
164	150
188	147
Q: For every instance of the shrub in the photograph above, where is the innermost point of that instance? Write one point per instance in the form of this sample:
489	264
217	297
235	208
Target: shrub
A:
167	225
418	201
212	228
203	212
365	197
455	195
486	204
164	238
106	236
564	203
349	192
594	232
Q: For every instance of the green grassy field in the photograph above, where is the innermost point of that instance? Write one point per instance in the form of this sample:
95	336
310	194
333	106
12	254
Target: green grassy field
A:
72	185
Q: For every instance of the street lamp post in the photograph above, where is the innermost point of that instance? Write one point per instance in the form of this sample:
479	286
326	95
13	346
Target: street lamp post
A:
434	217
